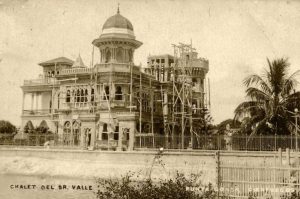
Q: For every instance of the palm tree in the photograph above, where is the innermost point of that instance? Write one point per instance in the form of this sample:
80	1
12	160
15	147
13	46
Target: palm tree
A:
272	99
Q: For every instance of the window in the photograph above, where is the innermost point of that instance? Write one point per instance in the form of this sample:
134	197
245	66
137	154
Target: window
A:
92	95
104	127
106	93
120	55
116	136
68	96
104	136
78	96
82	95
118	94
117	129
108	56
85	95
130	55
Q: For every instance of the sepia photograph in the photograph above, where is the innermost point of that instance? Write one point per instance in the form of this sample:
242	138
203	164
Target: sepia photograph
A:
141	99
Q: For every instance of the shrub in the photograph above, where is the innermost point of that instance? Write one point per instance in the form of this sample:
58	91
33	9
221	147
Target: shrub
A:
180	187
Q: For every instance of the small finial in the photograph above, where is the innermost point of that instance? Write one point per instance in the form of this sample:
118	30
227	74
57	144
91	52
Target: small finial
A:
118	8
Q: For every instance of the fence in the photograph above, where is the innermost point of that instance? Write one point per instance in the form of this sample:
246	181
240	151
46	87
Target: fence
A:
219	142
203	142
242	180
38	140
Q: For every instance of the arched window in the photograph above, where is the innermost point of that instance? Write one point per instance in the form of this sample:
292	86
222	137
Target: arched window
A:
104	127
28	128
58	101
107	56
130	55
120	55
85	95
92	95
78	95
68	96
106	93
104	136
67	133
118	94
76	133
82	95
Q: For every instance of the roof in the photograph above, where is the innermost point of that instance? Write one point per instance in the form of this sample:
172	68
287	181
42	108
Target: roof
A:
78	63
117	21
59	60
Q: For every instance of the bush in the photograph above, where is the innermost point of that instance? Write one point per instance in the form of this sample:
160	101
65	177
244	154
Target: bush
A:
6	127
180	187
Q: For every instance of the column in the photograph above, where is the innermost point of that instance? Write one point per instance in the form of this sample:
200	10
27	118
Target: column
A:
93	137
120	144
32	99
131	136
23	101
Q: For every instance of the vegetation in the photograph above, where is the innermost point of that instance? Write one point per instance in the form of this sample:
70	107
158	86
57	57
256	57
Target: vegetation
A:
233	124
271	100
180	187
6	127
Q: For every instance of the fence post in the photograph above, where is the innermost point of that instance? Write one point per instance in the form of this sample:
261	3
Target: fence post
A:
217	156
288	156
260	142
275	143
280	156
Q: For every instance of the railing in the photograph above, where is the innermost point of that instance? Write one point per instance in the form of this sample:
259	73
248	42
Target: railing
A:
219	142
268	180
37	112
42	81
150	141
34	140
76	71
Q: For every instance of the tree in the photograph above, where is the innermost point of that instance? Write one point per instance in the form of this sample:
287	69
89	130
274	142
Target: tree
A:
233	124
271	100
7	127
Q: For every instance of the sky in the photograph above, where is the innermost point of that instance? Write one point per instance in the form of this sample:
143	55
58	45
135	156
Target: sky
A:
235	36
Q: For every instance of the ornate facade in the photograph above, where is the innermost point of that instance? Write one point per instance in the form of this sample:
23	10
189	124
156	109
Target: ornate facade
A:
112	103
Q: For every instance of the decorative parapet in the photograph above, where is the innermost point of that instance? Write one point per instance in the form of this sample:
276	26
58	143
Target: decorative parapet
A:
76	71
42	81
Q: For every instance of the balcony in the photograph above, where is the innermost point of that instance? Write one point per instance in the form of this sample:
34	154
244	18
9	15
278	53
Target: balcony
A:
38	112
76	71
42	81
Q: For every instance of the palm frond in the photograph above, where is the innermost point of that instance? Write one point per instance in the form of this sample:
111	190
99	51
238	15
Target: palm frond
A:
257	94
247	108
257	80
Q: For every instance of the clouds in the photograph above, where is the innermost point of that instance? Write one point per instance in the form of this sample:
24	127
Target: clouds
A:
236	37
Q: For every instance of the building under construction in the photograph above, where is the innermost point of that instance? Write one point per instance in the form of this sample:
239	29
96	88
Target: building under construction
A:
115	104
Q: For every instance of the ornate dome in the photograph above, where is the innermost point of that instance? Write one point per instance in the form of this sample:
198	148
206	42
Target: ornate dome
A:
117	21
117	26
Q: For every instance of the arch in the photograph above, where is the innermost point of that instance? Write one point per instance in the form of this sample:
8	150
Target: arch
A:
78	95
43	124
104	127
85	95
92	95
28	128
68	98
67	133
76	132
43	127
82	95
76	124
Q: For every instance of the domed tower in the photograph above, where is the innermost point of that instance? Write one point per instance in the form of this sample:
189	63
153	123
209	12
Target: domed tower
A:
117	41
